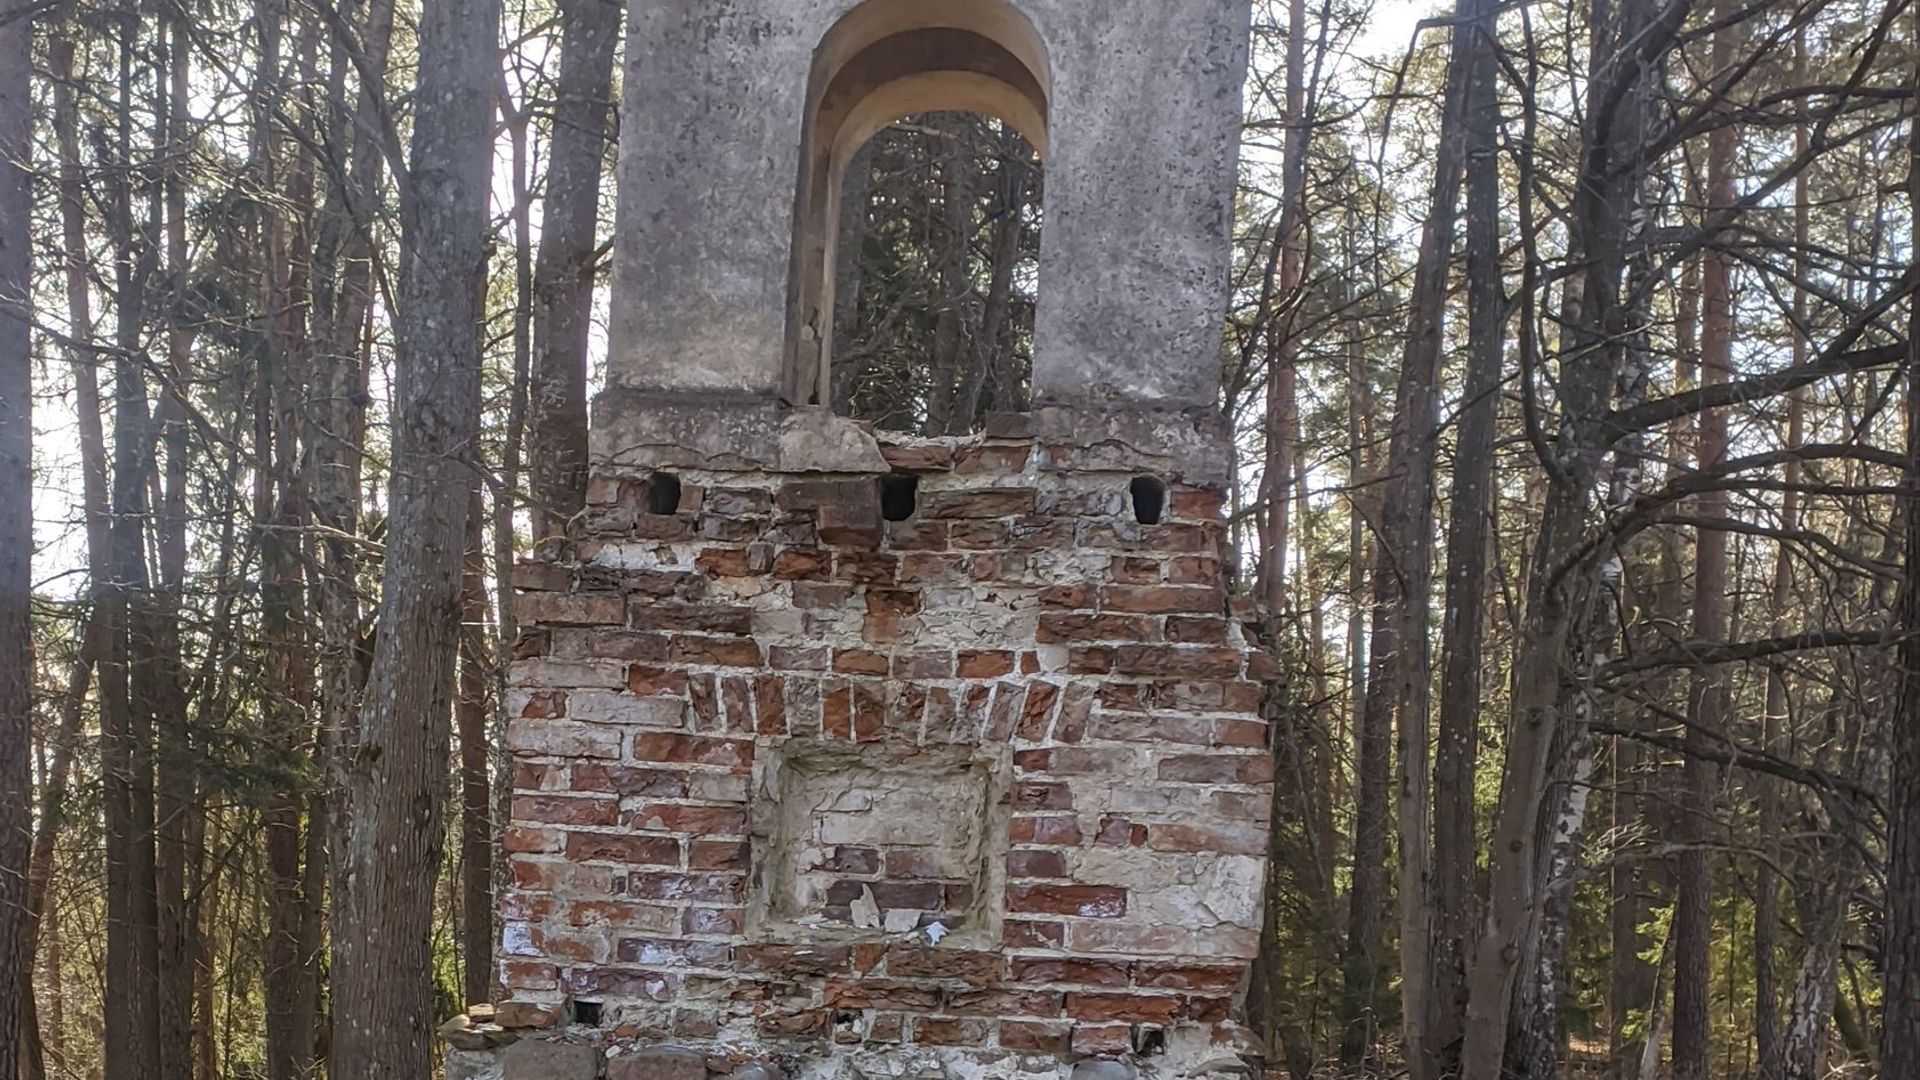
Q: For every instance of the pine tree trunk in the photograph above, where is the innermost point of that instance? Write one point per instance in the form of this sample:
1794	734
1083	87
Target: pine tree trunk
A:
1900	943
476	778
1469	540
16	533
1693	905
563	269
384	1020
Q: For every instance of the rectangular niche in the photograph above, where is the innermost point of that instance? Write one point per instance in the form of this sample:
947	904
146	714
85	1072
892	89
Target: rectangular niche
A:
880	841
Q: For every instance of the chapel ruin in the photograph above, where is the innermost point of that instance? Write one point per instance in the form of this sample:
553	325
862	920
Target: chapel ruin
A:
844	755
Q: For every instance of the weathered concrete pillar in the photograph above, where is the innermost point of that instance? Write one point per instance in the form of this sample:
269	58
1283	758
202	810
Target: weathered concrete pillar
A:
739	115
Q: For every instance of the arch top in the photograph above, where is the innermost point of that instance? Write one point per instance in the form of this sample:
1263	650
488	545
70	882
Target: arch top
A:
998	21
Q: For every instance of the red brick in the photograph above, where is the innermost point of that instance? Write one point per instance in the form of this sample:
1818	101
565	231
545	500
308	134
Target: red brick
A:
1086	901
1066	596
1069	972
1193	570
1062	831
1042	796
724	562
1188	661
933	568
629	645
678	817
881	994
769	705
671	952
1241	734
1210	1010
992	457
707	888
1119	832
972	968
1024	934
1102	1038
981	503
837	713
1037	711
1188	977
1163	599
867	567
531	644
1035	1036
625	916
950	1031
627	780
1036	864
1217	769
633	850
1067	627
799	658
983	665
561	738
576	609
859	662
541	577
1197	629
1205	503
1243	697
723	921
794	959
529	975
1224	839
894	602
718	855
917	456
718	652
646	680
1181	537
545	704
701	618
1089	660
1137	1008
560	810
666	746
802	564
532	841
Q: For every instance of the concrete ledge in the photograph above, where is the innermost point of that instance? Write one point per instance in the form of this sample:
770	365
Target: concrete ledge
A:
637	431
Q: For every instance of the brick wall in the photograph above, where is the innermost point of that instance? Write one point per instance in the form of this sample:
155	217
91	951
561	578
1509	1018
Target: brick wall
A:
798	783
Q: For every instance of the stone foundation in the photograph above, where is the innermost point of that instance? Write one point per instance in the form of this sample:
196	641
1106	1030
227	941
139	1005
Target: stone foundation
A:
980	792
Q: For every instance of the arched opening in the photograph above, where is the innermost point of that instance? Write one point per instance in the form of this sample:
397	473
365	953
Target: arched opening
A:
918	215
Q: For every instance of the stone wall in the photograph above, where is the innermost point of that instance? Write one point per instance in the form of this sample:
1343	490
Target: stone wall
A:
979	792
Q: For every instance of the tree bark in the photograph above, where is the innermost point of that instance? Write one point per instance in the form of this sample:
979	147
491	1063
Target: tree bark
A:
1469	540
563	269
1562	577
476	778
383	998
1706	699
1398	685
1900	946
16	532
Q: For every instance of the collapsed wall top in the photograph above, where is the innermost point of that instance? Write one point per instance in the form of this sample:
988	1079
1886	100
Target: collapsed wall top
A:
740	116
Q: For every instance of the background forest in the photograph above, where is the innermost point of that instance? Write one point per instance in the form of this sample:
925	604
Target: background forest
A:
1570	370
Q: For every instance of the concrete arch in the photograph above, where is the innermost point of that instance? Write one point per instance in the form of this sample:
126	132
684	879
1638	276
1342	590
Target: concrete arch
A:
882	61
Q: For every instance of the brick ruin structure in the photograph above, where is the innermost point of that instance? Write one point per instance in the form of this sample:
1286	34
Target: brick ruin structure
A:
844	755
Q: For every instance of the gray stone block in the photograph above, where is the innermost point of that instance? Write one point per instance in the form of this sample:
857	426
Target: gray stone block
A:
544	1059
658	1063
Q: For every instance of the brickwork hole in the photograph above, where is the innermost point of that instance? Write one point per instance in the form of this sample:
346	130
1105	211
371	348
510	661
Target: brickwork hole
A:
899	496
663	494
1149	499
587	1013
